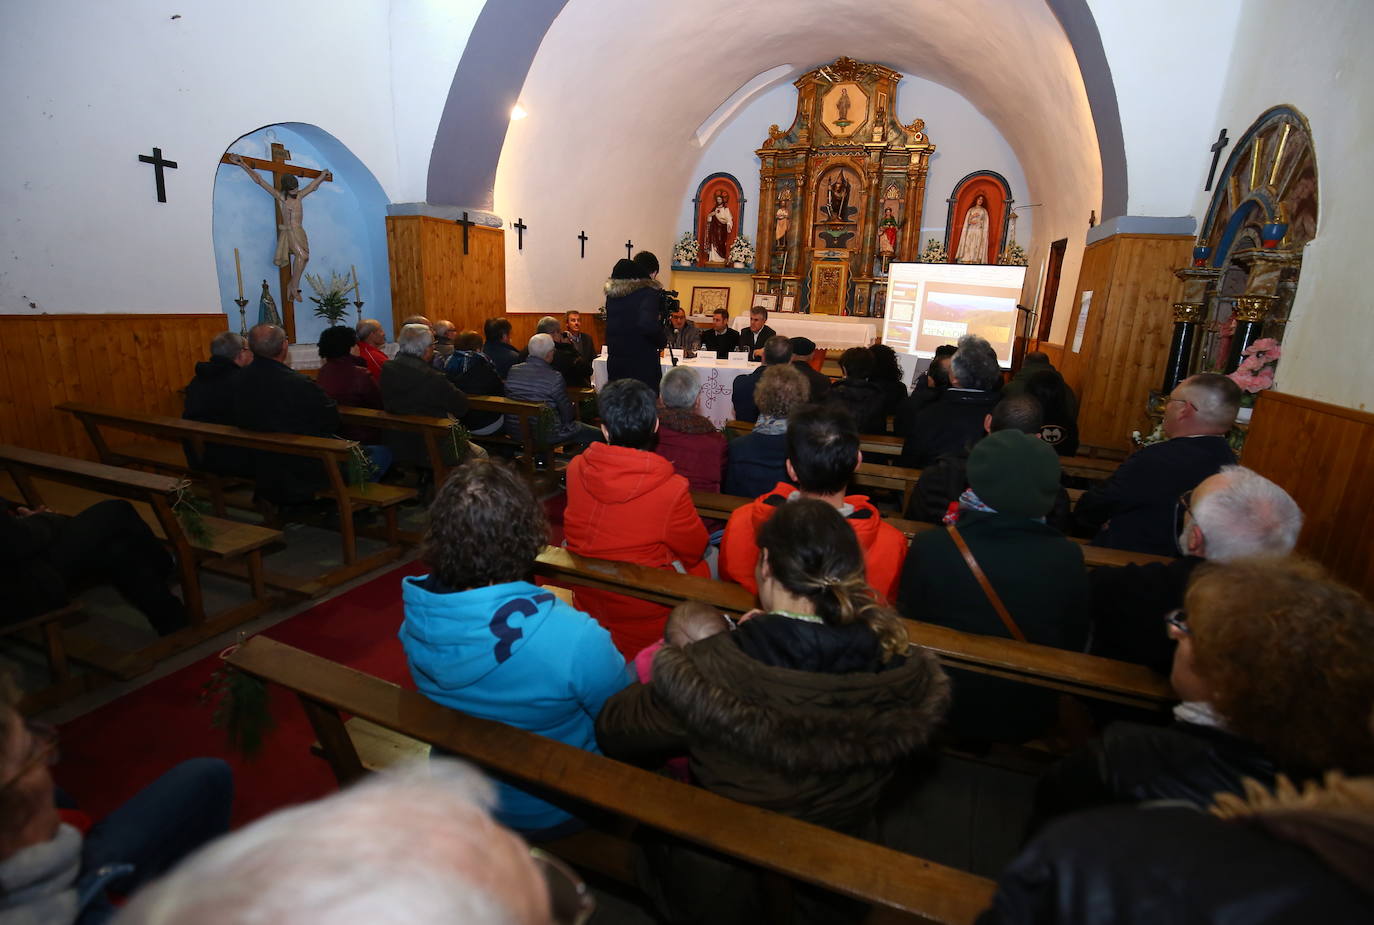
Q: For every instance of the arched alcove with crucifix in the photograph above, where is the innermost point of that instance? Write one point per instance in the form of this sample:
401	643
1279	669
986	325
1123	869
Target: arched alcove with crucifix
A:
344	221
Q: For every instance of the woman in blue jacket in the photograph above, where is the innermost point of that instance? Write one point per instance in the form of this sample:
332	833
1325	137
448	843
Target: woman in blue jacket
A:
480	638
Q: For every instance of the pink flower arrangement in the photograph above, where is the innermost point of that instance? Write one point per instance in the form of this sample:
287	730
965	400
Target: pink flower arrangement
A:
1256	371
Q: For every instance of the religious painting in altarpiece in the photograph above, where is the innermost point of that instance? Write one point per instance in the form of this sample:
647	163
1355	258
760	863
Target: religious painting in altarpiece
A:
719	207
838	188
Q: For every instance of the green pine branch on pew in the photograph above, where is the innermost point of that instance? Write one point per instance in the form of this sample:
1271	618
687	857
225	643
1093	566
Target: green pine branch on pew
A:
545	426
361	469
190	513
241	709
460	436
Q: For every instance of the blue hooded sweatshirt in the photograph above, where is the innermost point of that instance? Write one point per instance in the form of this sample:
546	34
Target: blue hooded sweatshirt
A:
516	654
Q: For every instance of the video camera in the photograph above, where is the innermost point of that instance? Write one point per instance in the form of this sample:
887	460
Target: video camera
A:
668	303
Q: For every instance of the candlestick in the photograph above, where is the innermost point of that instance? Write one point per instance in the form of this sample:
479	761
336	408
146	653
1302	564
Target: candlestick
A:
359	306
243	316
238	271
357	293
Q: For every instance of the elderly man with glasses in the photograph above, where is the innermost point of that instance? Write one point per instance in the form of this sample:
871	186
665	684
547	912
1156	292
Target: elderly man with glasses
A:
1134	509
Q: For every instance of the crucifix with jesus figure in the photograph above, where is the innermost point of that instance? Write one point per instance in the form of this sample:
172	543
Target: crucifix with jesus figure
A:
293	248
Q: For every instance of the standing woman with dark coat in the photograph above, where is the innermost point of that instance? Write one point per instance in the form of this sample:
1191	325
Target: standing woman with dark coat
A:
803	710
634	335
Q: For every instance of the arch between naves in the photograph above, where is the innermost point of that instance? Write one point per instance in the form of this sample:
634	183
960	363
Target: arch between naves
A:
507	36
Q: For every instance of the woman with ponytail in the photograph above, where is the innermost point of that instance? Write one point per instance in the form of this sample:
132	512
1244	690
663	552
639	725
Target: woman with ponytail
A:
804	709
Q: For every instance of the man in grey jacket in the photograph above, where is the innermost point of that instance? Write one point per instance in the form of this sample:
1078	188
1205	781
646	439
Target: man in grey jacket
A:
535	380
411	385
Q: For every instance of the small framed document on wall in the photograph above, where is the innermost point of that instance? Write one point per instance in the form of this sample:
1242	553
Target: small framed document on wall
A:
789	303
764	300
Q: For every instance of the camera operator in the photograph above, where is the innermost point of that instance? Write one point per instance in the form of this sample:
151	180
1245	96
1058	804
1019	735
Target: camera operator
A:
635	320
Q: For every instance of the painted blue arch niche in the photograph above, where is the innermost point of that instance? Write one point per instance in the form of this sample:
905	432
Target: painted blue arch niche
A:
345	221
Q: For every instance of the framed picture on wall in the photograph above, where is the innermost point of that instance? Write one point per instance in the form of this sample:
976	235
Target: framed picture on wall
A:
765	300
706	299
789	303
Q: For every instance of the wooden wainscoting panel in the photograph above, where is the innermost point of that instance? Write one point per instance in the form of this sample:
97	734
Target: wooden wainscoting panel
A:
1322	455
431	276
125	361
1126	340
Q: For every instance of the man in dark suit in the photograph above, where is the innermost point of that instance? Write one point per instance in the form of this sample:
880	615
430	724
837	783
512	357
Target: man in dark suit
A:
955	422
581	340
1134	509
756	335
575	370
498	346
210	398
777	351
720	337
272	397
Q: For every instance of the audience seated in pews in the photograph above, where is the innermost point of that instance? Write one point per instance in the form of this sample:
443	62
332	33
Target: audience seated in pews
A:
757	461
887	375
928	388
473	373
53	556
55	866
1290	855
753	338
271	396
411	385
1134	508
371	337
444	333
210	399
682	335
575	371
822	454
720	337
634	332
479	637
498	346
626	503
777	351
1273	669
1034	363
861	398
416	844
944	480
956	420
1001	566
686	438
581	340
537	381
344	378
1235	514
1060	429
803	350
804	709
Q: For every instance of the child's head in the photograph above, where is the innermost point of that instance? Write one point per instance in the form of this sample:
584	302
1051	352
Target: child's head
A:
692	622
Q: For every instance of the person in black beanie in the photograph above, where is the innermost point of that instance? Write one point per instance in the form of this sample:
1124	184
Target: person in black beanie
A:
634	334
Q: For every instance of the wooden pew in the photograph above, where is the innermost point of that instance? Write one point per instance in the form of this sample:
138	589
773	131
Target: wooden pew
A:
50	627
434	432
528	450
890	880
331	453
711	504
1044	666
69	486
869	444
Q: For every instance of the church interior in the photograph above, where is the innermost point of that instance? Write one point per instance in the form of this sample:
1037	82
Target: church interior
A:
1164	184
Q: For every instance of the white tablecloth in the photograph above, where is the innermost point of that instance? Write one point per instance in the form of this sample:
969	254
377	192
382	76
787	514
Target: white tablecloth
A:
717	382
827	332
307	356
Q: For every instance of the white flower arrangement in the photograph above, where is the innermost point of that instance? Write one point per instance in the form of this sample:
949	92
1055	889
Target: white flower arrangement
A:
685	250
1014	256
742	251
934	253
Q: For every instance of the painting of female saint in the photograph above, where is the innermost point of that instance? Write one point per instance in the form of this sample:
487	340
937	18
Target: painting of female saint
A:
887	233
782	219
973	242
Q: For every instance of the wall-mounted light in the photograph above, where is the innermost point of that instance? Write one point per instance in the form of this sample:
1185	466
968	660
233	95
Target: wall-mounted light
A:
517	112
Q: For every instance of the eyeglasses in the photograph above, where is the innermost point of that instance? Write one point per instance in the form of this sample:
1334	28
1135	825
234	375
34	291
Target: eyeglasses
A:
1177	620
571	902
1183	509
42	750
1183	401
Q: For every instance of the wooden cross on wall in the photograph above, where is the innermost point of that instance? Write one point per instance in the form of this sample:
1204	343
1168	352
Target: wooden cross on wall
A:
1216	156
279	168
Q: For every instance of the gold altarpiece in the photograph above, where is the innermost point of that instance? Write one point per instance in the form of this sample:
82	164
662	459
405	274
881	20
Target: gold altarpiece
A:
840	192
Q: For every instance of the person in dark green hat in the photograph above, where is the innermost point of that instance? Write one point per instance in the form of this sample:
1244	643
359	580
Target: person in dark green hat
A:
1034	571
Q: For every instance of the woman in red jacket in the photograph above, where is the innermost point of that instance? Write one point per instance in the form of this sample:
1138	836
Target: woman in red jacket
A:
626	503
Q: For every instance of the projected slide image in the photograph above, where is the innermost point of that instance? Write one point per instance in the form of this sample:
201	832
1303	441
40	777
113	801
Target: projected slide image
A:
947	316
933	304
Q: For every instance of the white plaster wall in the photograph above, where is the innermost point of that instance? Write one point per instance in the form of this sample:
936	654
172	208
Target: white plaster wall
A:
90	86
1169	63
1315	56
609	143
965	141
427	41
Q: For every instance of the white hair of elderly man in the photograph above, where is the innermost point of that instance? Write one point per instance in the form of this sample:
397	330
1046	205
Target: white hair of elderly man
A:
413	845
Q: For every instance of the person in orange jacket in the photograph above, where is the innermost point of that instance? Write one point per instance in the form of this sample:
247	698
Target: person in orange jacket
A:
822	454
626	503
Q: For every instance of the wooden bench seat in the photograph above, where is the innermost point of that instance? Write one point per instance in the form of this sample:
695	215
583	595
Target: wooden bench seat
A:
433	432
1071	672
528	450
895	883
332	455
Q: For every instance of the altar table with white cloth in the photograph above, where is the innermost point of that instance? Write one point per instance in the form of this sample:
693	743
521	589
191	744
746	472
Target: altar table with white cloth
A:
717	382
829	332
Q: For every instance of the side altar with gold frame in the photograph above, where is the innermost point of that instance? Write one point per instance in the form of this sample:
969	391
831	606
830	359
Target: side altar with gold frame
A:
841	191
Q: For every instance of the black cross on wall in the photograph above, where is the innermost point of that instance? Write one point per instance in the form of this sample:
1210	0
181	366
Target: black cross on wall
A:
520	227
629	247
158	163
466	225
1216	156
584	239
